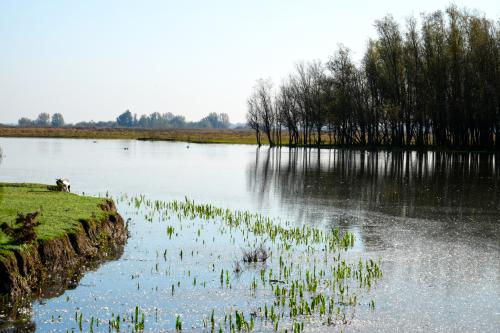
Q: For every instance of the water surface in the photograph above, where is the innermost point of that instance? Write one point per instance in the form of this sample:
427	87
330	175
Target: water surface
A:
432	218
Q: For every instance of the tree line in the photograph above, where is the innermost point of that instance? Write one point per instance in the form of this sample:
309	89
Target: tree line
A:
154	120
43	120
433	83
169	120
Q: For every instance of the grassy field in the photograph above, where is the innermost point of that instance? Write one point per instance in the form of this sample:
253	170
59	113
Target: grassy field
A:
239	136
59	211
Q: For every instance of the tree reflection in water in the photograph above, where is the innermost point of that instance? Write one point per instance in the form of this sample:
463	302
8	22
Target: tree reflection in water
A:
460	190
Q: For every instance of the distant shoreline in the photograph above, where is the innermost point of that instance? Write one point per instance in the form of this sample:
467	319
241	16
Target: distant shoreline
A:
232	136
193	135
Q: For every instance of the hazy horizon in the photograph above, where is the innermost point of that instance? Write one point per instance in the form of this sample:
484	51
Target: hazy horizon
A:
93	60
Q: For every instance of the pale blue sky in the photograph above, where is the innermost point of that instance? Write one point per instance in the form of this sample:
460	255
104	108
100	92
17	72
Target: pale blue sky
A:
95	59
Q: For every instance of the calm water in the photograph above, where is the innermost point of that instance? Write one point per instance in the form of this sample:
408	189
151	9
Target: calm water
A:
433	219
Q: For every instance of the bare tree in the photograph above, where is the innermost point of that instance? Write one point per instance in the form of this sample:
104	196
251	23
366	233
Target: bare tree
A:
263	104
253	119
438	84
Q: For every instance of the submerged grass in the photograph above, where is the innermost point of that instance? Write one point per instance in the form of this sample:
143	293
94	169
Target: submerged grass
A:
298	274
59	212
213	269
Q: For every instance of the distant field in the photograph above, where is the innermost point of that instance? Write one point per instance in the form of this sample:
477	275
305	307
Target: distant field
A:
240	136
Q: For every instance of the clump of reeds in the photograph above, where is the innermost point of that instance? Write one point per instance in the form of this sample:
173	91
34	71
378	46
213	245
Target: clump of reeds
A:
258	254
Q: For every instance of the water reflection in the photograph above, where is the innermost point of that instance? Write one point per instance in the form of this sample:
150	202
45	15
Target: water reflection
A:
433	219
343	185
408	184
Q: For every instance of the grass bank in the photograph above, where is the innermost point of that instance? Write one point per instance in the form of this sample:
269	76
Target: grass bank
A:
60	212
55	238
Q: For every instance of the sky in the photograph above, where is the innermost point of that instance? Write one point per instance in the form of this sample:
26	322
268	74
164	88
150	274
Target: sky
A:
94	59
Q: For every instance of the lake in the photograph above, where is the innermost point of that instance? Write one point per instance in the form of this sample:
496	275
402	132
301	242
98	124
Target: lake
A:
432	218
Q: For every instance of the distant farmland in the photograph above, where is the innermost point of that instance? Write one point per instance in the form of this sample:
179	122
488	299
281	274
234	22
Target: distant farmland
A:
235	136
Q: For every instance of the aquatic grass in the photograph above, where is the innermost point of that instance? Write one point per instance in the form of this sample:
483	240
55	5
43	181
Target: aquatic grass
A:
307	282
178	323
125	322
305	272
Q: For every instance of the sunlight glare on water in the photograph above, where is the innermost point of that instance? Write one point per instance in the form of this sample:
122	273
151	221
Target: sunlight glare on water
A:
432	219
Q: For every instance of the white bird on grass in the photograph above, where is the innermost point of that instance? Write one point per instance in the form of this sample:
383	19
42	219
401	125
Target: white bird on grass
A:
63	184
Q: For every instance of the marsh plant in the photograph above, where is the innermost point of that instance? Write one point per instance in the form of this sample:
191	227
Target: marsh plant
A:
290	277
254	255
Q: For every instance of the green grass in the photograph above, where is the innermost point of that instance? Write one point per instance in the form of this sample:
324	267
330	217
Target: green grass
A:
60	212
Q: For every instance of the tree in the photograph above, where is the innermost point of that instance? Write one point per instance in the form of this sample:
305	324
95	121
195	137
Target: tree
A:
287	112
211	121
253	118
43	119
57	120
438	84
214	120
224	120
301	83
125	119
264	107
25	122
178	122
